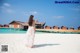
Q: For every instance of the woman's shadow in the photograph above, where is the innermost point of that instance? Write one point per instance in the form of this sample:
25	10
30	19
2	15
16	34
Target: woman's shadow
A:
44	45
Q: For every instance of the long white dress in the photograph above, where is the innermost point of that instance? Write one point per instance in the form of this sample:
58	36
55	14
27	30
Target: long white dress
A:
30	35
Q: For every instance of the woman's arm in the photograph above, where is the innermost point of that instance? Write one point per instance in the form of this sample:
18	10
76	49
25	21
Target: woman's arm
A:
34	25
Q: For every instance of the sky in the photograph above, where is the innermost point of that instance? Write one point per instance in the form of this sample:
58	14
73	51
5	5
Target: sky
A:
53	14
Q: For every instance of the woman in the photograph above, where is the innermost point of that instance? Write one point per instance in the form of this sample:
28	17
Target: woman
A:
30	32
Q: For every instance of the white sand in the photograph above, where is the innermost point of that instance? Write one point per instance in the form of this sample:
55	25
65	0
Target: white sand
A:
44	43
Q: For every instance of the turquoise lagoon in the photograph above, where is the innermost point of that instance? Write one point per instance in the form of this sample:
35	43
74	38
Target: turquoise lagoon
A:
21	31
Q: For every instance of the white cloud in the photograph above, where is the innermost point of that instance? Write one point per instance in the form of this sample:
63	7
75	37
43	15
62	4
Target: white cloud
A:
6	4
30	13
58	16
33	12
6	8
77	8
9	11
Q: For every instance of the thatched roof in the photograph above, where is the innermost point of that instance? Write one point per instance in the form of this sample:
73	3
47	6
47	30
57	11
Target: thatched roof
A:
55	26
5	25
64	27
1	25
19	22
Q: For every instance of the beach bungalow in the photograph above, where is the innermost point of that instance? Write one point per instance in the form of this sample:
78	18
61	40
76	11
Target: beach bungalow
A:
17	24
48	27
64	28
79	28
39	25
1	25
24	25
55	27
5	25
71	28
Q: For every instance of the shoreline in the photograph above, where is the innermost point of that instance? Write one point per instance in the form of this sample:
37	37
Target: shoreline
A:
58	30
68	30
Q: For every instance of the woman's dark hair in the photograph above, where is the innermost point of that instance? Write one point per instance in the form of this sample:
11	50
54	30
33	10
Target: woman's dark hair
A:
30	22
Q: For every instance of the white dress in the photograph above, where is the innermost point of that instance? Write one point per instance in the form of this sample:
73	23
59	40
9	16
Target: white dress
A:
30	35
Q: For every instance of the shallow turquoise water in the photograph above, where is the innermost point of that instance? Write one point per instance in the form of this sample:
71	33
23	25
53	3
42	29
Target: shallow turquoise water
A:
15	31
11	30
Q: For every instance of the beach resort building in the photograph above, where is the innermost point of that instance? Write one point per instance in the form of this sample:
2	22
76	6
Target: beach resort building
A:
48	27
64	28
5	25
79	28
1	25
71	28
39	25
24	25
55	27
16	24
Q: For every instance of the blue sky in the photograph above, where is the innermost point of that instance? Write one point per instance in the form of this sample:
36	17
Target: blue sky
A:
43	10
